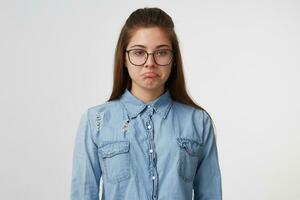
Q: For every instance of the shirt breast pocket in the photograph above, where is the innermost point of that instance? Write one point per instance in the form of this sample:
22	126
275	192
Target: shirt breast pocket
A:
115	160
189	155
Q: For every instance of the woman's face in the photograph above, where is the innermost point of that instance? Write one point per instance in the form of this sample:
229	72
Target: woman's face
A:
148	39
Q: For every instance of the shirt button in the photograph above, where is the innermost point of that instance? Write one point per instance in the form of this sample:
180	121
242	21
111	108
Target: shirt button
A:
151	150
148	106
149	127
153	177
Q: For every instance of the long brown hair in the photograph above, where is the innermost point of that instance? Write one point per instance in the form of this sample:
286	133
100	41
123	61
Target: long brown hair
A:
145	18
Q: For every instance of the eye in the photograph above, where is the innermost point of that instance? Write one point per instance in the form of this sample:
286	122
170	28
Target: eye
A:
162	52
138	52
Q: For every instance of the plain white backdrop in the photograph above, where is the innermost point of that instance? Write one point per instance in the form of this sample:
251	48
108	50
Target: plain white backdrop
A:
241	63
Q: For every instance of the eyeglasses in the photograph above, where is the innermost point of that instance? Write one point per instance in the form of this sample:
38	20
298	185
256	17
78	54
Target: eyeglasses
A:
139	57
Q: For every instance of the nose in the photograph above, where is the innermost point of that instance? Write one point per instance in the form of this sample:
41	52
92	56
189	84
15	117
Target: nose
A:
150	61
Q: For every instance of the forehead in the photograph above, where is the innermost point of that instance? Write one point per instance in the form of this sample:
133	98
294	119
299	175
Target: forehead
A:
149	37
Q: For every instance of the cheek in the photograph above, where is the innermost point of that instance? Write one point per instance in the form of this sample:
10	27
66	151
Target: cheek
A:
130	69
133	73
166	73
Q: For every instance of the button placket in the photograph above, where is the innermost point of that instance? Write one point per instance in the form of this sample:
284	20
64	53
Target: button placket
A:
149	127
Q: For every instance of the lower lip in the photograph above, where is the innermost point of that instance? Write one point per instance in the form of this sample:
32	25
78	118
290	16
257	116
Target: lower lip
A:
150	75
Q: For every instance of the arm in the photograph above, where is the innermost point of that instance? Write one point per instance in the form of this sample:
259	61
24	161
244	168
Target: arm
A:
207	183
86	170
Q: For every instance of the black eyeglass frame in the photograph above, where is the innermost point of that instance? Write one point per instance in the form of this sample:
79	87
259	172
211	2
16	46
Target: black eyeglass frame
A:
173	54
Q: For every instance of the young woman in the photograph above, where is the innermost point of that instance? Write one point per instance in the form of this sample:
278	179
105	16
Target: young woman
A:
149	140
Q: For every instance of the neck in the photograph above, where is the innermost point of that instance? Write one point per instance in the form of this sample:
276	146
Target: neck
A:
147	95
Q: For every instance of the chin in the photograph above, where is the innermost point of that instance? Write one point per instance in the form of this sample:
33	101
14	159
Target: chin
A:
153	87
149	85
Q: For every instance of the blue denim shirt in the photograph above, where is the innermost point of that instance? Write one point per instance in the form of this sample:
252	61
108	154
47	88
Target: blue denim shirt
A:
162	150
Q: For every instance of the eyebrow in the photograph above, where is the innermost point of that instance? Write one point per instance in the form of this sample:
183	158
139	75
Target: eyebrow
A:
142	46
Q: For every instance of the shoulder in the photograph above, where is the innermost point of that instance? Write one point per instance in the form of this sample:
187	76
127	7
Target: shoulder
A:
197	119
106	106
187	110
97	113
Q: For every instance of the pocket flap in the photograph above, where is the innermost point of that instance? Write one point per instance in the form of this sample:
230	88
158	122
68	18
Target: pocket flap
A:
191	146
110	149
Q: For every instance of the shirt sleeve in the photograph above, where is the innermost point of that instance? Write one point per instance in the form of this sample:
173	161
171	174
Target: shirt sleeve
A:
86	171
207	183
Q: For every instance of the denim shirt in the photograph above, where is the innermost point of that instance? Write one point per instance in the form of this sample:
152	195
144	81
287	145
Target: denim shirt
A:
162	150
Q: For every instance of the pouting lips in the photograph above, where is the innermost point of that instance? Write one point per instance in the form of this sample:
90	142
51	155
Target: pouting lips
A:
150	74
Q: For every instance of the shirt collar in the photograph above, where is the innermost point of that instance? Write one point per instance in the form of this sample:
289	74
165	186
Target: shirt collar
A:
135	106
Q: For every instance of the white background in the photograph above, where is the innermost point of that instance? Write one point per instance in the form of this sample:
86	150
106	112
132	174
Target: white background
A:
241	63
